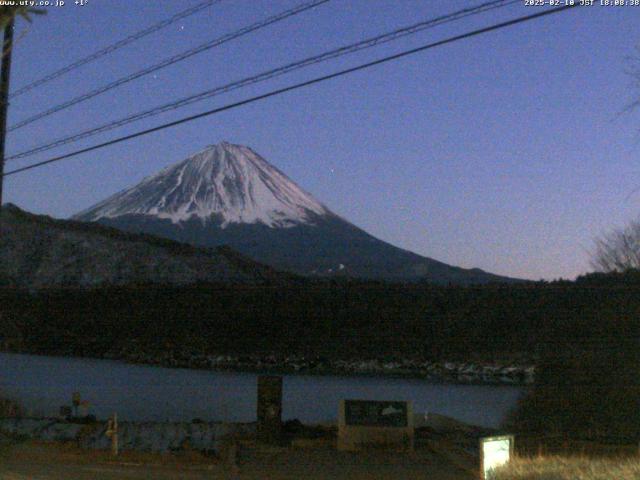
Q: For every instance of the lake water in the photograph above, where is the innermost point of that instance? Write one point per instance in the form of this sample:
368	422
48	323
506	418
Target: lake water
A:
138	392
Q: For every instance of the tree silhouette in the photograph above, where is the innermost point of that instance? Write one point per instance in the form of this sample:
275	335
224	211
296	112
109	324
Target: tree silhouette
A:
619	250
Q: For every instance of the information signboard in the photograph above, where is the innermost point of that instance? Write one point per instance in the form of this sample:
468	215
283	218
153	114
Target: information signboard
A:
375	414
380	424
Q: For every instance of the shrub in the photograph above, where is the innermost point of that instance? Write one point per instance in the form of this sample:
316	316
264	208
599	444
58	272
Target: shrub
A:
569	468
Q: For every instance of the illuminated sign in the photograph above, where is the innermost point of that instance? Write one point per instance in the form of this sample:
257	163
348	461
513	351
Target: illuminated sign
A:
494	452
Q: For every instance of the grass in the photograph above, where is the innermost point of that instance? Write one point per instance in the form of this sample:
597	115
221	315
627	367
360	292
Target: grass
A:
570	468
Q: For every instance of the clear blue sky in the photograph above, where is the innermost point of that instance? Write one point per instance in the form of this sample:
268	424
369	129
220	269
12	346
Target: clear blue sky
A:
506	152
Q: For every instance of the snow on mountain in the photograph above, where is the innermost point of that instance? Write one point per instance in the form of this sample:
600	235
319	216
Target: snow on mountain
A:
229	183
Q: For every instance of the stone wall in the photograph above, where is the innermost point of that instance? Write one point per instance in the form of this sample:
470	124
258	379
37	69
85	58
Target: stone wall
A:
140	436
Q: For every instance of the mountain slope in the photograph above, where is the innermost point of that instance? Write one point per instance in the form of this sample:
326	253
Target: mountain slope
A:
38	251
229	195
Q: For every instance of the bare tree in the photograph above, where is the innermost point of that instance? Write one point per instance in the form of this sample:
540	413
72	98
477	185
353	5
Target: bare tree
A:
619	250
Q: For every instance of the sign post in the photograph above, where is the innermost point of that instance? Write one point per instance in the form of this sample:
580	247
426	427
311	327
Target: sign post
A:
269	409
112	433
494	452
75	401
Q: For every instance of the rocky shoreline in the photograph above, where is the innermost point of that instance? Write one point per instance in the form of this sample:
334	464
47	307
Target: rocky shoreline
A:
467	373
451	372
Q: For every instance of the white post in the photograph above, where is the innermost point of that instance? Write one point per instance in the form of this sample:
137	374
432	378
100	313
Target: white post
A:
112	432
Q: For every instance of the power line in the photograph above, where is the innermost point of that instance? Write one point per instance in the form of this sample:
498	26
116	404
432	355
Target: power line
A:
269	74
296	87
115	46
170	61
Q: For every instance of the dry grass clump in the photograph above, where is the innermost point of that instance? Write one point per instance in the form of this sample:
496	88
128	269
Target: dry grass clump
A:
570	468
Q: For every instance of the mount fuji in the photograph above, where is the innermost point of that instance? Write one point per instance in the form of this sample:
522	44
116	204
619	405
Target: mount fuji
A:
229	195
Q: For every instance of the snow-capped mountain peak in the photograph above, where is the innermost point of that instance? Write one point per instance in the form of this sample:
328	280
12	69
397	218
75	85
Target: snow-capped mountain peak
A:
225	182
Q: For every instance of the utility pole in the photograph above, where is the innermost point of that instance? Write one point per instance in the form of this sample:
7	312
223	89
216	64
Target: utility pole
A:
4	94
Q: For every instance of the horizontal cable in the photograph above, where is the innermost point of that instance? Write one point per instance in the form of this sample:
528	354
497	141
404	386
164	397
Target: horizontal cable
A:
167	62
294	87
113	47
267	75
